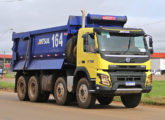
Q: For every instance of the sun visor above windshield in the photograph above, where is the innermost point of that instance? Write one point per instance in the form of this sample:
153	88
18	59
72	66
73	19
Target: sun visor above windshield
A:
123	31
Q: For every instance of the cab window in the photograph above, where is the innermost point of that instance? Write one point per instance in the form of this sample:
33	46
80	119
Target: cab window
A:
89	43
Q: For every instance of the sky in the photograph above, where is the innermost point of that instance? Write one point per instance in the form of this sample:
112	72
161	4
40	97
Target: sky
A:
27	15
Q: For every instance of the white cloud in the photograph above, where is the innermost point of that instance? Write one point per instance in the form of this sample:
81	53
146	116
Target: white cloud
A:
36	14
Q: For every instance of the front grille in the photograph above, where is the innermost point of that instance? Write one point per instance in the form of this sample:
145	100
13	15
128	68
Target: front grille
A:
127	68
123	76
126	78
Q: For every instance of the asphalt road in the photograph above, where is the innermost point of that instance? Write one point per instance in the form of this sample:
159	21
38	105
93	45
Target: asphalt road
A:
13	109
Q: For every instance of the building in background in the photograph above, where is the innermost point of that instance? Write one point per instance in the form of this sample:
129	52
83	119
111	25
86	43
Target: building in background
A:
5	61
158	63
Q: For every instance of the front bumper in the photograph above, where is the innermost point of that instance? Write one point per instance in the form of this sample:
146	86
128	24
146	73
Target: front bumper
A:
119	86
103	90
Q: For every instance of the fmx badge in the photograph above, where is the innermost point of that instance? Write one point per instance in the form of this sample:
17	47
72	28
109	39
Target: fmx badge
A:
43	41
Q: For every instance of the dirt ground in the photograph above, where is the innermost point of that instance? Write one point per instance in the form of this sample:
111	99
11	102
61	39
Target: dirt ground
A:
13	109
158	77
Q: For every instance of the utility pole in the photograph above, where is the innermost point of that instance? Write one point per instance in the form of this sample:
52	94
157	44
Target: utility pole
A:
4	60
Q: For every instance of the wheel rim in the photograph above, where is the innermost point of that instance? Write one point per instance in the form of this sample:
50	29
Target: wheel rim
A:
21	87
33	88
83	93
60	91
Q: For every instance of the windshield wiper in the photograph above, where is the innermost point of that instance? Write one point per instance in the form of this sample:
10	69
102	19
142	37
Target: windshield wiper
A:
129	44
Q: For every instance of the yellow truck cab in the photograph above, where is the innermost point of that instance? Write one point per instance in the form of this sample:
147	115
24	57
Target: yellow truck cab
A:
116	61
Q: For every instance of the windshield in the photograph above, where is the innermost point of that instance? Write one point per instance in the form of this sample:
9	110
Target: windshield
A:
121	43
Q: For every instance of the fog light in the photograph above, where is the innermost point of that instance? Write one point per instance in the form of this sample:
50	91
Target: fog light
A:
105	80
97	88
149	81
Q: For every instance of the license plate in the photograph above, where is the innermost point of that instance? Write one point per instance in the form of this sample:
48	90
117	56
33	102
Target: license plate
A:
130	83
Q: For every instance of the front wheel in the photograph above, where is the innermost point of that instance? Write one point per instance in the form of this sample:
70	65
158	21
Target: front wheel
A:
105	100
84	98
131	101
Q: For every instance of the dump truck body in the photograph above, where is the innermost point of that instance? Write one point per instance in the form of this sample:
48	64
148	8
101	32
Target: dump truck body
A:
47	47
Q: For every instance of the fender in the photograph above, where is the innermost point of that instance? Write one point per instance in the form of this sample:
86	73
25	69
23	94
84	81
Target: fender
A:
78	69
91	81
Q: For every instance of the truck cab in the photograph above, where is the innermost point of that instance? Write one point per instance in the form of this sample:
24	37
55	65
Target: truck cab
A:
118	59
117	62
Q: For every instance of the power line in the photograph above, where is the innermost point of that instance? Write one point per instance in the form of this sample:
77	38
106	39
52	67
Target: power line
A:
148	24
9	0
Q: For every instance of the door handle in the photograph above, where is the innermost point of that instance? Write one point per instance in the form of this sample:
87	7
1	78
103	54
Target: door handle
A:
83	61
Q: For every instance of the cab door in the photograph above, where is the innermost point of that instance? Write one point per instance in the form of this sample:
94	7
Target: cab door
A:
86	51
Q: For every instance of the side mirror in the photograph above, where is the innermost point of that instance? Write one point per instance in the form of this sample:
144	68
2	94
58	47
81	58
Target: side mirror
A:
151	51
85	37
150	44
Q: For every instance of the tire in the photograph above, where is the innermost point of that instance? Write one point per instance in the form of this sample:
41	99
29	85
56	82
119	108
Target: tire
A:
60	91
34	89
131	101
71	49
22	89
84	98
105	100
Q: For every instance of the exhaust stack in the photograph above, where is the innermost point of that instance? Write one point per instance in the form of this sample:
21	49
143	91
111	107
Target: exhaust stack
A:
83	18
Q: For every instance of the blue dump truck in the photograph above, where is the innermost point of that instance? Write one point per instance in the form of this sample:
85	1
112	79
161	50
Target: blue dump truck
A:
91	57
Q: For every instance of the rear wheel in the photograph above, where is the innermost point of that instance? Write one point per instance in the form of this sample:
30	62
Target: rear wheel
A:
105	100
60	91
22	88
131	101
34	89
84	98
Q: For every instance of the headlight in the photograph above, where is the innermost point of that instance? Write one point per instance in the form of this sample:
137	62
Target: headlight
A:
105	80
149	80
